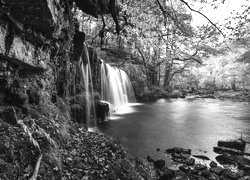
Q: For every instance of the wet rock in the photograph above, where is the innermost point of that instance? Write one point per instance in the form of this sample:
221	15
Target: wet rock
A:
149	159
245	178
159	164
217	170
243	163
201	157
212	164
189	176
179	150
226	159
102	111
205	173
221	150
213	177
234	144
230	174
190	162
200	167
180	156
167	174
185	169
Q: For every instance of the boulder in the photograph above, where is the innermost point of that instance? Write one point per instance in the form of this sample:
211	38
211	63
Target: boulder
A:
167	174
178	150
217	170
149	159
243	163
226	159
212	164
159	163
230	174
185	169
78	113
200	167
102	111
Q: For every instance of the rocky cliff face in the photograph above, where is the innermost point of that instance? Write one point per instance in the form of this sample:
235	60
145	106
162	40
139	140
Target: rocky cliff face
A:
39	48
35	49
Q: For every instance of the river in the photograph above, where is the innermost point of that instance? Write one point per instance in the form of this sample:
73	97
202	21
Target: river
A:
190	123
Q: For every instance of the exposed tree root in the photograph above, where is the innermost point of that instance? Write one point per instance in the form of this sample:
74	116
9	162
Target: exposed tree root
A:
38	162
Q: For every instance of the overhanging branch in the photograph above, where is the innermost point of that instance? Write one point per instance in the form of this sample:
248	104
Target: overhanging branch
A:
203	16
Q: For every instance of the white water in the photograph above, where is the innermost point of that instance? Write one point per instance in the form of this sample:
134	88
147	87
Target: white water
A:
116	88
89	92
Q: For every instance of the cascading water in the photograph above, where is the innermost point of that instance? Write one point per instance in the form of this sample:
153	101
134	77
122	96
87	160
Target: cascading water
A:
89	92
116	87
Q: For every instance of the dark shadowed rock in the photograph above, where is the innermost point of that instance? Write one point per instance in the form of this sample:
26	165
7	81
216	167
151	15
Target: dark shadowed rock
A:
217	170
200	167
234	144
185	169
213	164
230	174
243	163
201	157
159	164
178	150
205	173
167	174
226	159
149	159
190	162
102	111
221	150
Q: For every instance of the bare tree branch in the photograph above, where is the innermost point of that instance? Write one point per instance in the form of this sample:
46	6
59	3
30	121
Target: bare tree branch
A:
203	16
175	20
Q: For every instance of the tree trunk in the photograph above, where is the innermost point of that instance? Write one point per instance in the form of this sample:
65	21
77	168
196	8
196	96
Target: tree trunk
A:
166	79
233	86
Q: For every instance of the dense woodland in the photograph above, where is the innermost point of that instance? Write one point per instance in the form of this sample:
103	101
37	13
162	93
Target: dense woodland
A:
161	47
43	132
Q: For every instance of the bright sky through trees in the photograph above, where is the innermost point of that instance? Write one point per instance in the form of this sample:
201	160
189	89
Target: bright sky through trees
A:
219	14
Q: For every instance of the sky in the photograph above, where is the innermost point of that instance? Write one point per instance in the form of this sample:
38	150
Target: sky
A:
217	15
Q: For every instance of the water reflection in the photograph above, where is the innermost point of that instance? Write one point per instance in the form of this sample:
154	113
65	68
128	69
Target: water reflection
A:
191	123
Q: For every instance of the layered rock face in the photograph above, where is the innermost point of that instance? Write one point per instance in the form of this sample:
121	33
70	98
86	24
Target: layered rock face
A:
35	48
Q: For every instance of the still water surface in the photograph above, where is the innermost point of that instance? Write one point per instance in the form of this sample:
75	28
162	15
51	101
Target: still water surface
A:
190	123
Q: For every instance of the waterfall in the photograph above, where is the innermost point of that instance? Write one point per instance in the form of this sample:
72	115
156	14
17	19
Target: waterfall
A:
116	87
89	92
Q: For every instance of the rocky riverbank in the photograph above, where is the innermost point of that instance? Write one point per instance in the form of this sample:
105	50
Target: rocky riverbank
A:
236	96
188	166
